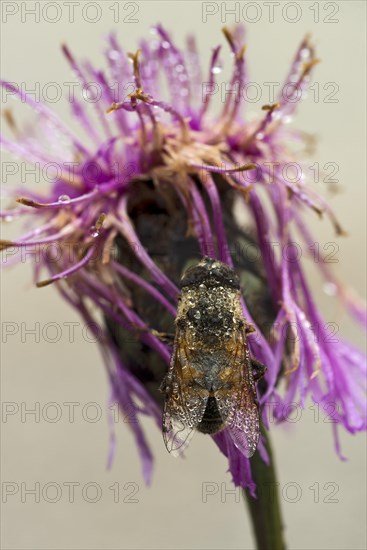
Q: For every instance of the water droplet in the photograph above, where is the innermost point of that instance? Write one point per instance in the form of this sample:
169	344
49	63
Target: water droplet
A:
330	288
305	53
64	198
260	135
8	218
216	69
113	54
165	45
94	231
275	115
197	314
179	68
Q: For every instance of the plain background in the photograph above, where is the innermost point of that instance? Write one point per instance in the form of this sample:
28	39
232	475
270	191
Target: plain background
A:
172	513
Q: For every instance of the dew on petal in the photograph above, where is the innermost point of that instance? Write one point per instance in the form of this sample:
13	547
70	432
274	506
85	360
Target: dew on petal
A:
217	69
330	288
64	198
305	53
113	54
93	232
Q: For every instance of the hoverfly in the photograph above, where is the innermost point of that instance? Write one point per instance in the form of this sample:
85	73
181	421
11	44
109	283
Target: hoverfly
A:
210	384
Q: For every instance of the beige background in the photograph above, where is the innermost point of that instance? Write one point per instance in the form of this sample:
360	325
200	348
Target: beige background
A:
171	513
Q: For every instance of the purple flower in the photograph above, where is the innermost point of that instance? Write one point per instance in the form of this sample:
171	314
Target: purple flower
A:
153	185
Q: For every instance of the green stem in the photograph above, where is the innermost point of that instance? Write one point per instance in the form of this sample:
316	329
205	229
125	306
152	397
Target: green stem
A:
265	509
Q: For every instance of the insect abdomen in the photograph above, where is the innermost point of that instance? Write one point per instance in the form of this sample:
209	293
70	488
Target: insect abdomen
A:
211	422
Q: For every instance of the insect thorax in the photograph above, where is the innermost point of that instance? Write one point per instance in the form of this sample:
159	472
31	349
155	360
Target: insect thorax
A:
209	315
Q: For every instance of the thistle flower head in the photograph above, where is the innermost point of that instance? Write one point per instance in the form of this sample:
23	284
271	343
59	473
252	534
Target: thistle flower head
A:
155	184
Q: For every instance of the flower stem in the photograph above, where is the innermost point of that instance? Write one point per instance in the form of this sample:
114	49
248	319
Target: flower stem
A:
265	510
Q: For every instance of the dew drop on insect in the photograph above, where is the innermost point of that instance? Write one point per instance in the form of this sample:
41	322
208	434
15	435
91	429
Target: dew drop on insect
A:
64	198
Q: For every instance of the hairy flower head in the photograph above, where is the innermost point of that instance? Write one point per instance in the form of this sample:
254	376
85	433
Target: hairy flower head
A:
157	183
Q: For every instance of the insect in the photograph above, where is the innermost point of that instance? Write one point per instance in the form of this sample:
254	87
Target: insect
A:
210	384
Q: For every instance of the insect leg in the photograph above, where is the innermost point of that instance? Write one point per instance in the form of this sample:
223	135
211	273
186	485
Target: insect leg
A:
258	369
249	328
166	337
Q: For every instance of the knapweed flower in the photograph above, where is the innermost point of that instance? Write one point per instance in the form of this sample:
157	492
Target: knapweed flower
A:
156	183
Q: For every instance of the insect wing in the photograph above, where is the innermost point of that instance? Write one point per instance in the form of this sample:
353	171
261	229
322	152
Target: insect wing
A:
245	430
176	433
237	399
184	404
